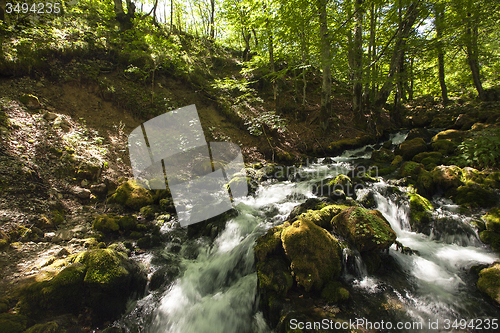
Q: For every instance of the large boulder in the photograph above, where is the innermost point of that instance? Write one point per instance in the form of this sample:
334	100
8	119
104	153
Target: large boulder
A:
368	230
447	177
382	156
101	280
314	254
419	133
474	196
489	282
410	148
491	234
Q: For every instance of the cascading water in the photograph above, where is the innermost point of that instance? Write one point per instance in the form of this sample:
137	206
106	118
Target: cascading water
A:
217	291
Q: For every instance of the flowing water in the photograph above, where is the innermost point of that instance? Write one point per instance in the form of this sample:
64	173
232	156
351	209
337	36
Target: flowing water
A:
217	290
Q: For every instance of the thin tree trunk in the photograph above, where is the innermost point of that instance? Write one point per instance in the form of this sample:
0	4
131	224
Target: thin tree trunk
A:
326	87
212	18
472	54
271	62
350	48
357	90
403	33
366	92
439	17
171	16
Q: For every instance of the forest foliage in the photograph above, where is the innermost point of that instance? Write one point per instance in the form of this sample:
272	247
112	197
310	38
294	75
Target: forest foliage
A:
382	51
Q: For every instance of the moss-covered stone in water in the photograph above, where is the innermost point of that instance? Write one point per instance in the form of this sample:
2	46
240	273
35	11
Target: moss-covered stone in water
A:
492	238
314	254
450	135
127	222
489	282
383	155
12	323
104	268
50	327
334	292
269	243
420	213
474	195
367	229
324	216
425	183
132	195
274	276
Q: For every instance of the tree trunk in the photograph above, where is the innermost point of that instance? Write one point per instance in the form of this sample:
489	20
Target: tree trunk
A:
403	33
326	87
357	105
439	22
271	62
125	20
472	53
212	19
366	92
246	38
171	15
350	48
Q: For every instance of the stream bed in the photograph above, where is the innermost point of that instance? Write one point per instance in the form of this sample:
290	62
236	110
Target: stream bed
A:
431	290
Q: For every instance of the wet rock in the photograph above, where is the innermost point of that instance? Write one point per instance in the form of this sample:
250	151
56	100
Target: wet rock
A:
334	292
445	147
368	230
489	282
464	122
420	213
49	116
312	266
410	148
447	177
241	182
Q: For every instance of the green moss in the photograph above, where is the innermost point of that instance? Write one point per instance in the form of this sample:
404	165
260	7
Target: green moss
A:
12	323
492	219
314	254
61	294
274	276
127	222
334	292
148	212
445	147
474	195
366	229
425	183
269	243
57	217
104	267
324	216
131	195
489	282
240	182
492	238
450	135
420	213
447	177
50	327
396	162
410	169
383	155
106	223
410	148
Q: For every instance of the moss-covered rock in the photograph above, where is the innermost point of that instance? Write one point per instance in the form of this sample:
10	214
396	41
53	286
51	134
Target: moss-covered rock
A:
323	216
368	230
334	292
314	254
101	280
131	195
410	148
492	238
445	147
349	143
475	195
31	101
106	223
420	213
489	282
396	162
450	135
410	169
492	219
447	177
12	323
425	183
50	327
427	158
382	156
